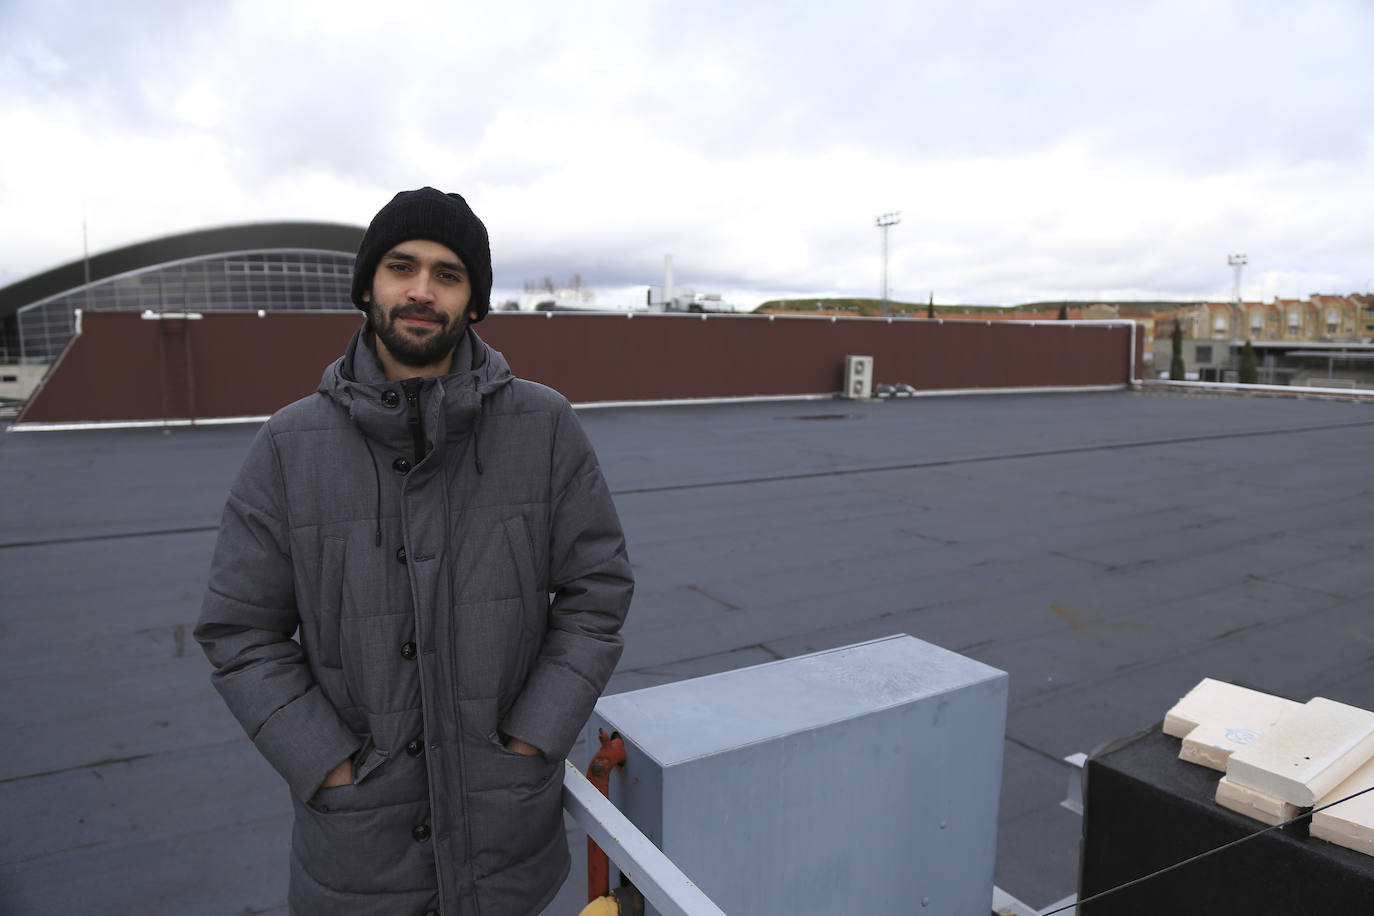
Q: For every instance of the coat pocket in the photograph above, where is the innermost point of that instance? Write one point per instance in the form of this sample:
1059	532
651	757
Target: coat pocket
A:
508	768
514	805
358	839
331	592
533	597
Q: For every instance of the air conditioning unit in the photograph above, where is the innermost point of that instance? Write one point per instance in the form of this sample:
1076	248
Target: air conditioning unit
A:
858	377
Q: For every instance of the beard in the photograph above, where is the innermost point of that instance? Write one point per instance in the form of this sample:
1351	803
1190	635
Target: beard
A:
416	352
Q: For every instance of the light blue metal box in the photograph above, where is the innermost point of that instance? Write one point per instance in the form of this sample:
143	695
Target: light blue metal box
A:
863	779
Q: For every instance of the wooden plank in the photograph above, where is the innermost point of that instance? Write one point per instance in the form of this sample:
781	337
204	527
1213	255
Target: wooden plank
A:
1349	824
1257	805
1214	701
1213	741
1308	753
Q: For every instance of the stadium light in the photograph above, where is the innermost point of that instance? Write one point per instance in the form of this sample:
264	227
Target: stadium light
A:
885	222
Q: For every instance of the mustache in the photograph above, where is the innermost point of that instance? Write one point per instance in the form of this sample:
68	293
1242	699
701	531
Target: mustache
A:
416	311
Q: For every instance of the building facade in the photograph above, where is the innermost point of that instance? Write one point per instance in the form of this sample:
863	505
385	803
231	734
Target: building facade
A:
257	267
1323	341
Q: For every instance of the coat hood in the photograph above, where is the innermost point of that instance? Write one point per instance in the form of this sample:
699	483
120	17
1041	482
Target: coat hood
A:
451	405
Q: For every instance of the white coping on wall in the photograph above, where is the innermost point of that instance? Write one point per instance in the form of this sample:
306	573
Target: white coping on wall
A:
1278	391
590	405
131	424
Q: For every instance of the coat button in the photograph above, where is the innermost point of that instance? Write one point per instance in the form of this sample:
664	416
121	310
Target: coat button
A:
407	650
390	398
401	465
431	913
415	748
420	833
401	554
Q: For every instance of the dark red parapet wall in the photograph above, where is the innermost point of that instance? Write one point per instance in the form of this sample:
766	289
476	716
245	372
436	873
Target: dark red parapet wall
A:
126	367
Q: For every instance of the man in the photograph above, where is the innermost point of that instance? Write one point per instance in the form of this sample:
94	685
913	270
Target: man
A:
410	521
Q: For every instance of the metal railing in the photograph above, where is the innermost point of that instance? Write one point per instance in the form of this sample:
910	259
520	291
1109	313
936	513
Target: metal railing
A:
1304	392
660	881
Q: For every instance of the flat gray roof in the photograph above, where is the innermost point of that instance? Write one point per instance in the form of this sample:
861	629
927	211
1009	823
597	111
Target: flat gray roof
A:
1107	550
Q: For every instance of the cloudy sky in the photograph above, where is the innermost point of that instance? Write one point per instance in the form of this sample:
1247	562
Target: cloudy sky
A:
1036	150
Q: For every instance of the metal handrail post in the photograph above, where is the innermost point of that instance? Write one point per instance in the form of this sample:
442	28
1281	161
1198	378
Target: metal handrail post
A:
660	881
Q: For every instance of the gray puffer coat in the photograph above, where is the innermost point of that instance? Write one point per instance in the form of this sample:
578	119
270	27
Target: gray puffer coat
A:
410	535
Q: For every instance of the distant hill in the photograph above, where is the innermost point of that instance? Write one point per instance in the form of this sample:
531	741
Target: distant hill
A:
867	308
873	308
1144	305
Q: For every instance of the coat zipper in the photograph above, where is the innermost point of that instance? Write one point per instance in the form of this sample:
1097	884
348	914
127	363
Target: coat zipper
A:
414	420
411	387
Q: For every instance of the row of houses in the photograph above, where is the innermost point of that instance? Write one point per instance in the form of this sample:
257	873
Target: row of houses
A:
1324	340
1320	319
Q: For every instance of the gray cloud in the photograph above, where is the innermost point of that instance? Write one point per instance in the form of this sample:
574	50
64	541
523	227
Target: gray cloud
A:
1035	148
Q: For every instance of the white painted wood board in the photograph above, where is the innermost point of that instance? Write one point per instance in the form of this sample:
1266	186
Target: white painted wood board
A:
1308	753
1217	701
1212	742
1350	824
1257	805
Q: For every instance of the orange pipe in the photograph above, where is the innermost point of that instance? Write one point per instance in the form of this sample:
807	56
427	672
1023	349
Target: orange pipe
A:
611	755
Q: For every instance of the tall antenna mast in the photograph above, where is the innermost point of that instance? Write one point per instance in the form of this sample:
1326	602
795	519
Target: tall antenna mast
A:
887	221
85	256
1238	262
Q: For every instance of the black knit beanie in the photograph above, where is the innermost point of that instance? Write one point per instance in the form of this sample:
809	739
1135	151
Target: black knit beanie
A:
437	217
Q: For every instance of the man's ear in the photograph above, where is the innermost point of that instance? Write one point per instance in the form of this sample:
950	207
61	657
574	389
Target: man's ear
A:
367	296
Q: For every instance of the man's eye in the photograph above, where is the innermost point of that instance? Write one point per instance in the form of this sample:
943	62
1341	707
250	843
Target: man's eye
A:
398	266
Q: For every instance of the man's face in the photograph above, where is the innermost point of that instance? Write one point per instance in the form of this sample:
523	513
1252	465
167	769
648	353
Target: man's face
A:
418	304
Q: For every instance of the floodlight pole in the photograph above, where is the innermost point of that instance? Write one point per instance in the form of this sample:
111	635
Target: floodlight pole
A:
885	222
85	256
1237	261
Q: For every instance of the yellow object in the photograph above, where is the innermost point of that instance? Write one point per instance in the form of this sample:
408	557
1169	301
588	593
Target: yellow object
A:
602	906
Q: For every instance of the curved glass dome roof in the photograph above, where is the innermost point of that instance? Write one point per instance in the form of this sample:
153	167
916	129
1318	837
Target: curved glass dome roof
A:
267	266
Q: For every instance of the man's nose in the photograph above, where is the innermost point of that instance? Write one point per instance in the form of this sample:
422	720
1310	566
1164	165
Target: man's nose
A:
420	289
